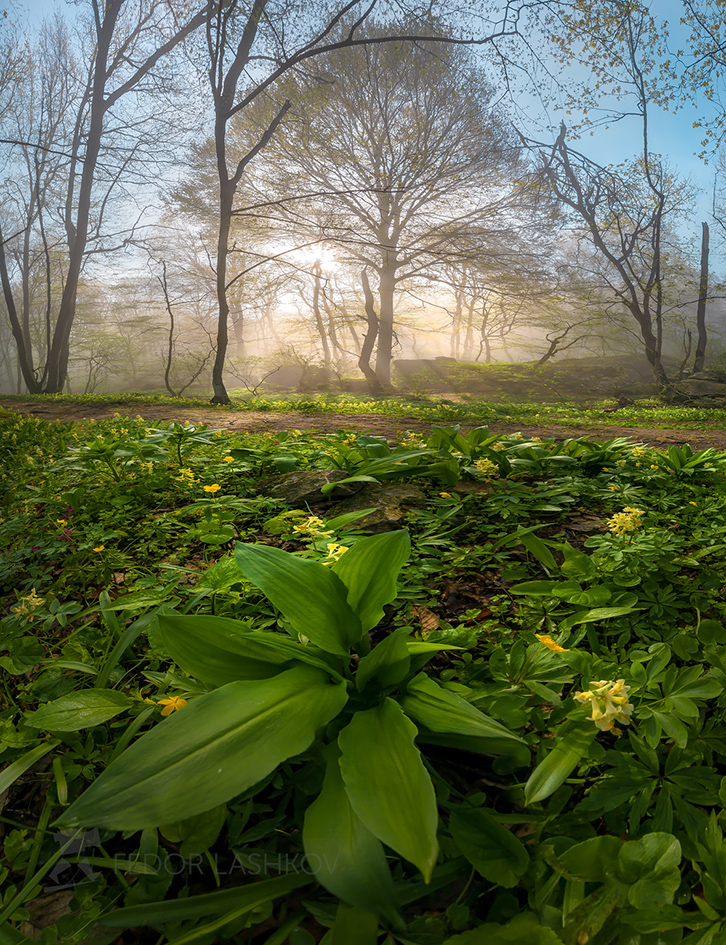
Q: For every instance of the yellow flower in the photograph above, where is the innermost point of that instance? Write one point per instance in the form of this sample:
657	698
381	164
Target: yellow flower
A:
61	521
693	503
213	488
172	704
99	548
335	552
609	701
546	640
486	467
228	459
445	495
629	520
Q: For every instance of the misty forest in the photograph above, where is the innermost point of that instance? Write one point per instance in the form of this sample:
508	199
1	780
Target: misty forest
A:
233	198
363	472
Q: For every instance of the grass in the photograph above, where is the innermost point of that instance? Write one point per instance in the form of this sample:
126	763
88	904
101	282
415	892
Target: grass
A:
645	413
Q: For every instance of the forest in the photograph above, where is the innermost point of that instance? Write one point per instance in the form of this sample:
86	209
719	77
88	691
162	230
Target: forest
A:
255	196
362	472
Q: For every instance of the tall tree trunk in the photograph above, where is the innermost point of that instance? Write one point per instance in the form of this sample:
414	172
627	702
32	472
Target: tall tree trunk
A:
319	318
57	363
226	198
700	357
384	352
364	361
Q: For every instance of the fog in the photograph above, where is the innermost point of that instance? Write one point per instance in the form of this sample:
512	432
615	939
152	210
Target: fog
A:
308	216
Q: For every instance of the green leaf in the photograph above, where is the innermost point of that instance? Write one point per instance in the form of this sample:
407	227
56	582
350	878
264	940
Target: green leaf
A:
492	850
388	663
79	710
198	833
388	785
354	927
220	650
216	747
347	859
442	711
576	564
522	929
221	575
590	860
309	595
370	572
12	772
246	897
550	773
649	868
535	588
597	613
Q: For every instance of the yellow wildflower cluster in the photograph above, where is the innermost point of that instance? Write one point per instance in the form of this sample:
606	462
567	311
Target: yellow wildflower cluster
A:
610	704
413	441
546	640
213	488
314	527
28	604
629	520
486	467
186	477
335	552
499	447
228	459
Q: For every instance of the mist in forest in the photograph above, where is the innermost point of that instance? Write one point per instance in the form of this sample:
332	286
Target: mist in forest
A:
199	201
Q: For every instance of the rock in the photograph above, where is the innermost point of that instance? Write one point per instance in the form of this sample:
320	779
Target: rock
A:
390	503
696	387
302	488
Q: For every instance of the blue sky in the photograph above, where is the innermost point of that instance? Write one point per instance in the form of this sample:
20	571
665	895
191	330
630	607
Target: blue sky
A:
672	135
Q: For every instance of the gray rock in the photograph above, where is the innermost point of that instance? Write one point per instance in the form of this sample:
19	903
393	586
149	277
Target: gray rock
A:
302	488
695	387
390	503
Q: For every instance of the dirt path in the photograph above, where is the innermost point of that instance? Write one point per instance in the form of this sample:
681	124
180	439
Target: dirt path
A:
268	421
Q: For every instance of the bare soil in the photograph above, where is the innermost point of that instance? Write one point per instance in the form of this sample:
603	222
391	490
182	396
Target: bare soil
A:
245	421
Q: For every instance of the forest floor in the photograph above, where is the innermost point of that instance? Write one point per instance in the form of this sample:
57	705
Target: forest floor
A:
701	437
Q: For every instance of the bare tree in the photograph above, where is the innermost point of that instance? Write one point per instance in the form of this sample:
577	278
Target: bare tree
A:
128	40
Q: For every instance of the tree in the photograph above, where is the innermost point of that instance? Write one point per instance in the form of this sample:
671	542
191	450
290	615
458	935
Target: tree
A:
129	40
625	211
407	159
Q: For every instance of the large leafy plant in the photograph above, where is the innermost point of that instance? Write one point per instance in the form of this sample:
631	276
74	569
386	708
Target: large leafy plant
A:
321	688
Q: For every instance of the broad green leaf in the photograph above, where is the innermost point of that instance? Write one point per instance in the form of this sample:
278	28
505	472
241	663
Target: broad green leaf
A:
649	868
198	833
388	663
79	710
346	857
522	930
10	774
597	613
218	651
590	860
216	747
388	785
559	764
247	897
442	711
354	927
221	575
535	588
492	850
308	594
576	564
370	572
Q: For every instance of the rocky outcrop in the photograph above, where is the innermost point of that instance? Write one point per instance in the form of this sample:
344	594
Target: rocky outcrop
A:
302	488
